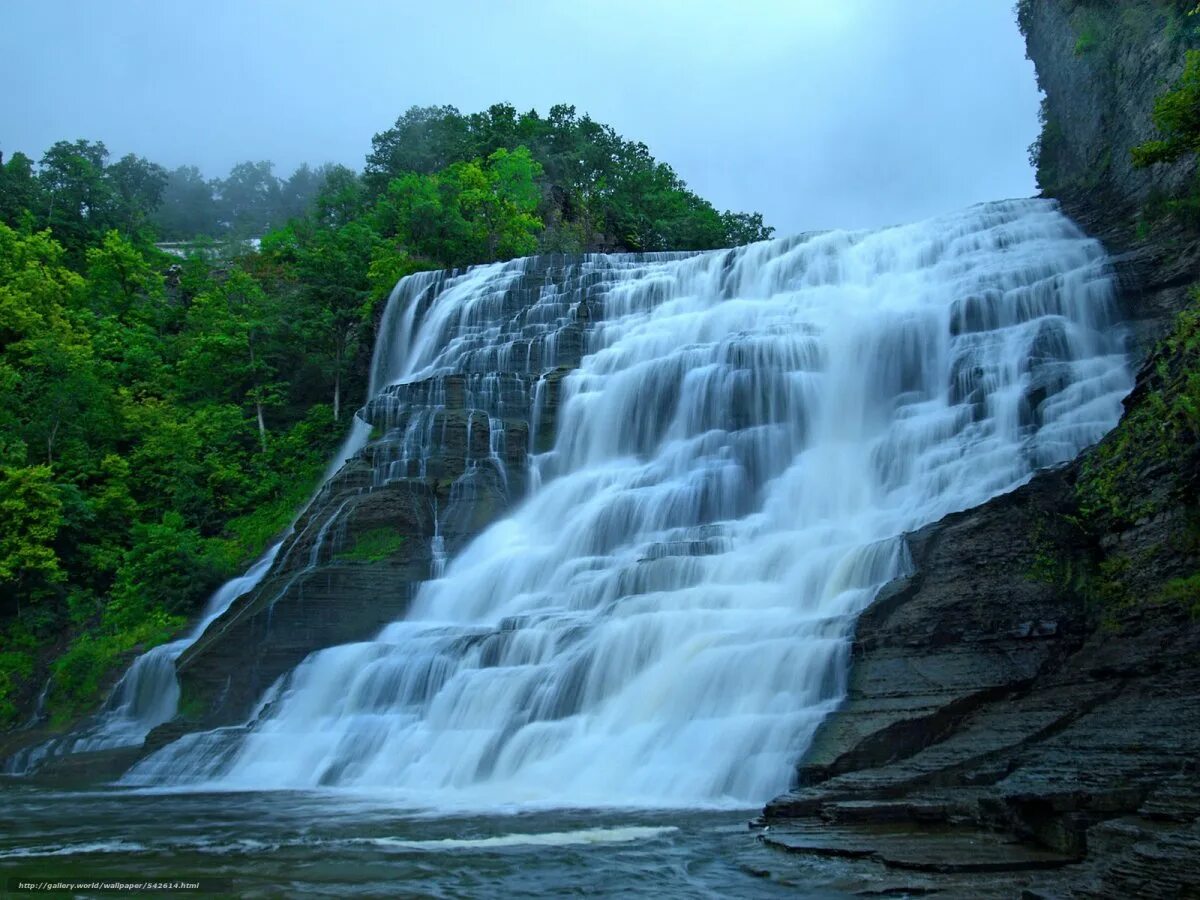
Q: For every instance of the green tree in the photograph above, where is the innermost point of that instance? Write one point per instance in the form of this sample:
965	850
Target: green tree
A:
299	192
1177	116
20	192
471	212
79	199
137	190
249	199
231	347
169	566
30	517
424	140
188	208
332	266
341	198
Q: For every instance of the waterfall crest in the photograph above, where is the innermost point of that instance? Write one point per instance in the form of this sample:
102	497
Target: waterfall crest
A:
721	488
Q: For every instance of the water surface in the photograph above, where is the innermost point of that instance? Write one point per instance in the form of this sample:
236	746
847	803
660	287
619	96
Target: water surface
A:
339	845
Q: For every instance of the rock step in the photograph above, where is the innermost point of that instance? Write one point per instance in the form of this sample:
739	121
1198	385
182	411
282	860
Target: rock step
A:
922	849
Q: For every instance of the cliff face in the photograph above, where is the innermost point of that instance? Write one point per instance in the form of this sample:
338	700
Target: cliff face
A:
991	697
1035	680
1101	65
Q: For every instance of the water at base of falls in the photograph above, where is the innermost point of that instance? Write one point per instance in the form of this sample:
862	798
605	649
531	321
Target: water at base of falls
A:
663	620
284	844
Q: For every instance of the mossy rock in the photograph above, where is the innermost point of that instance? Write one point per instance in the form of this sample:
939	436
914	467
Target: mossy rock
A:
372	546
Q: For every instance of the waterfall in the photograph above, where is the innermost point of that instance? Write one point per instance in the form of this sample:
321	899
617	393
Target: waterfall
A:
721	486
147	694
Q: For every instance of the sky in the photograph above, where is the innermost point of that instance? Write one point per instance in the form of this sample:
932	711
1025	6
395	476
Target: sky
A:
818	113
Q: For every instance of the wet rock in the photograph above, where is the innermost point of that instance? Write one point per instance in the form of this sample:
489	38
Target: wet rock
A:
984	697
940	850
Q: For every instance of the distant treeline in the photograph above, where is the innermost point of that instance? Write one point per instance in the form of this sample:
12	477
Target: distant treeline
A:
162	420
590	189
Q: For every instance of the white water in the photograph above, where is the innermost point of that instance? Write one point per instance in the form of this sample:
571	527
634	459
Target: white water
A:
664	620
148	693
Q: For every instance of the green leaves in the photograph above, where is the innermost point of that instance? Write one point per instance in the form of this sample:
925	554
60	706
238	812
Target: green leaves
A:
592	187
30	517
169	567
1177	116
470	212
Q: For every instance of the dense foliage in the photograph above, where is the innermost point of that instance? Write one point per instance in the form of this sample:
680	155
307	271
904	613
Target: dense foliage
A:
598	191
1177	116
150	444
163	418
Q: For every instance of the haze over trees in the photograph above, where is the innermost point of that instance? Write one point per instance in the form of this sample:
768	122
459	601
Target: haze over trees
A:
163	418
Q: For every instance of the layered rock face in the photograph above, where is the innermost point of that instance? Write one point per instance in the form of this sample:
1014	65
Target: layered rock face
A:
1023	712
1101	65
446	455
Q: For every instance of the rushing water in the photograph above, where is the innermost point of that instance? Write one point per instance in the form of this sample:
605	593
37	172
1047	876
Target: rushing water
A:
664	620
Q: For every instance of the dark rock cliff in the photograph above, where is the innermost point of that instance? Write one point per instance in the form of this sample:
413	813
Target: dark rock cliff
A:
1023	712
1101	64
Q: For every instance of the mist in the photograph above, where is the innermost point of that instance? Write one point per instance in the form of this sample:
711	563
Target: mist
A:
854	114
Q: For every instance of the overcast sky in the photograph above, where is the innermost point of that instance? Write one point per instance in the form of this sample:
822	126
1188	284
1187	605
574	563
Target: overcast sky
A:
819	113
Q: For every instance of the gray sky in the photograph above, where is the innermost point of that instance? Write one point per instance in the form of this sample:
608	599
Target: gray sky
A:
819	113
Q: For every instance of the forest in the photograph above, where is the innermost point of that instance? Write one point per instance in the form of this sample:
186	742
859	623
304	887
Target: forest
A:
180	355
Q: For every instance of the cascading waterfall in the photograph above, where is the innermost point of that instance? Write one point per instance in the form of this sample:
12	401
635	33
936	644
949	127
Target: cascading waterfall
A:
664	619
148	693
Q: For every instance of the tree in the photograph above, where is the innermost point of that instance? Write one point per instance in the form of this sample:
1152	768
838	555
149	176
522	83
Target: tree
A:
20	192
745	228
507	204
332	266
30	516
249	198
55	396
471	212
168	566
79	199
122	284
341	198
424	140
231	347
1177	116
188	207
298	193
137	191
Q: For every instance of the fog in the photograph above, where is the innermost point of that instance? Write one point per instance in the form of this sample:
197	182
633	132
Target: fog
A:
852	113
